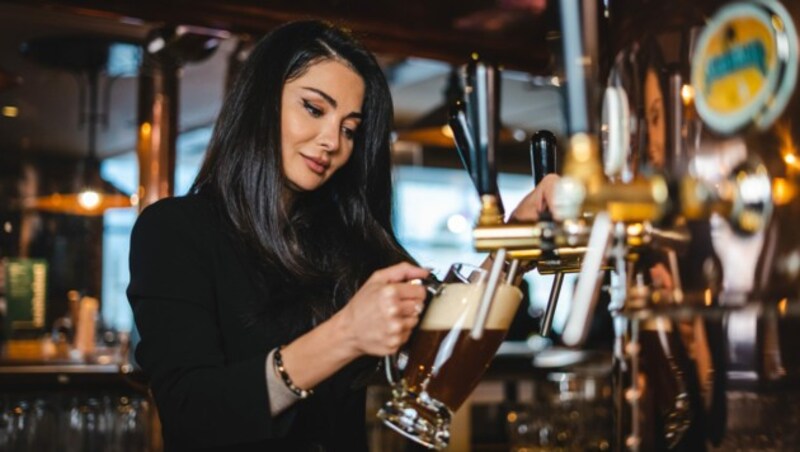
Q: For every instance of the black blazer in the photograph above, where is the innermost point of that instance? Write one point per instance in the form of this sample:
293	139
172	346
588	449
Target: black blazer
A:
192	296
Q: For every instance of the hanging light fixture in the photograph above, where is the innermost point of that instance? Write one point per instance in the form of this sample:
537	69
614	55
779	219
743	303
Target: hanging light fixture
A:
87	57
433	130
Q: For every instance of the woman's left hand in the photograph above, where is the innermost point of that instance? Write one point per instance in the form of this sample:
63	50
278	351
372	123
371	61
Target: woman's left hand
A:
537	201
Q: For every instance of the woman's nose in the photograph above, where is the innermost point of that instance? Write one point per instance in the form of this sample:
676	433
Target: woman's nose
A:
329	137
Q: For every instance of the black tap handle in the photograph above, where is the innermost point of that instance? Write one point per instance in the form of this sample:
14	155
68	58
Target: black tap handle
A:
462	135
546	324
543	155
483	113
543	160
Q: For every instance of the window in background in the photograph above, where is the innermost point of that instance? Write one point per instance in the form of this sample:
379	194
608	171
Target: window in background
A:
123	172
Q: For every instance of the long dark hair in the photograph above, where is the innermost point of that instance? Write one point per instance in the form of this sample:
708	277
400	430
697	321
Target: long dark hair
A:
342	231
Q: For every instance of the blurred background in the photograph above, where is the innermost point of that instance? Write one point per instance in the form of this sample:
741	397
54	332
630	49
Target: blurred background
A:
49	124
93	92
107	106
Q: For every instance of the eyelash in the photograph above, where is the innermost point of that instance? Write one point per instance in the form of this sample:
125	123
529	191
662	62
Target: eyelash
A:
317	112
349	133
312	110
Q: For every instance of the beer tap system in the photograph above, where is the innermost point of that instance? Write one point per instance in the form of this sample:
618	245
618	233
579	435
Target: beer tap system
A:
553	247
726	181
543	162
639	212
611	214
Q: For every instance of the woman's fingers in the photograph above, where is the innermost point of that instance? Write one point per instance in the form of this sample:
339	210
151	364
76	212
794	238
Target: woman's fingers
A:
528	208
386	309
391	294
409	308
405	326
548	185
536	201
402	317
402	300
399	273
407	291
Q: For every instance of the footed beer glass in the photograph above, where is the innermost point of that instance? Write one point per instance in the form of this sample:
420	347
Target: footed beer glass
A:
443	363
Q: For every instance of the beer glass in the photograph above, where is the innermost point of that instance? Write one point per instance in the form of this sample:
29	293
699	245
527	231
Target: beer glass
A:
443	363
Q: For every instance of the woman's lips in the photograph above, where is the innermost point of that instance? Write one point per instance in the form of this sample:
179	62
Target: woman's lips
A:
316	165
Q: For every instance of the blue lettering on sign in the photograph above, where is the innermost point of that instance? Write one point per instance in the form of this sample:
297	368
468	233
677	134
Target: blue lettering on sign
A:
752	54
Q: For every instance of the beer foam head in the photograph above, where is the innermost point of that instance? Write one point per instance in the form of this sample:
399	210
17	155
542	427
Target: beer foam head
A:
457	306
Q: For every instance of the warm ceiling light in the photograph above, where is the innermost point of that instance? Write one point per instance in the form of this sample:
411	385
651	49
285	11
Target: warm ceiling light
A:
89	199
447	131
783	191
10	111
787	148
782	307
83	204
90	57
687	94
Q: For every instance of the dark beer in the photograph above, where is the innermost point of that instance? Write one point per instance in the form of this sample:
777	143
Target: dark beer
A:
460	369
444	361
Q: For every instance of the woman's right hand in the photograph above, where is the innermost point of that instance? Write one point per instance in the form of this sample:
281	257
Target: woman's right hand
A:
382	314
537	201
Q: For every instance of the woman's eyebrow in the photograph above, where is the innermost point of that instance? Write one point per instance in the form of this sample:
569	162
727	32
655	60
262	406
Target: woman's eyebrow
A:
328	98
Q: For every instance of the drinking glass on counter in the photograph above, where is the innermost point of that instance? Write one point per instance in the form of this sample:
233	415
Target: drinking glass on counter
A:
444	362
74	422
571	410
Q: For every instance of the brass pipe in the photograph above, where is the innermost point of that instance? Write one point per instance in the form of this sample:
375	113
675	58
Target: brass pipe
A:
511	236
158	128
165	52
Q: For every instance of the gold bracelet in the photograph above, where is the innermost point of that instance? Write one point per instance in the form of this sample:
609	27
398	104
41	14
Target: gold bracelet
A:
296	390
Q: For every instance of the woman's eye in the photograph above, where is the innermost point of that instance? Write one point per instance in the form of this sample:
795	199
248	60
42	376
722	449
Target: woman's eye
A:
348	133
653	113
312	110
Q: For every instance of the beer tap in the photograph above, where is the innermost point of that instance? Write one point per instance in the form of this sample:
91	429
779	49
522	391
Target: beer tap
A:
483	110
474	125
462	136
623	215
618	211
543	162
555	248
483	114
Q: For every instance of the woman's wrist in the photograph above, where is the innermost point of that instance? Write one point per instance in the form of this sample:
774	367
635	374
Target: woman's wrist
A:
280	370
344	335
330	346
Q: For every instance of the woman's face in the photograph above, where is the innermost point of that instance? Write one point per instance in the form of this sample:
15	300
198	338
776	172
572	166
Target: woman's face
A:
656	126
320	112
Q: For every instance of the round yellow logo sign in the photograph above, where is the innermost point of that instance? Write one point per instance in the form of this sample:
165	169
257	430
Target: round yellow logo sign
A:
745	65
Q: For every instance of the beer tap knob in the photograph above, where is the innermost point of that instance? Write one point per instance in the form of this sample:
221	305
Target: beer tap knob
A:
463	137
543	155
483	113
543	162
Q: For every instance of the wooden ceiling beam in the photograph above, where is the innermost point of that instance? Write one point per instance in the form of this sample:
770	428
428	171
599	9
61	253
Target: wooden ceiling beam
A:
407	28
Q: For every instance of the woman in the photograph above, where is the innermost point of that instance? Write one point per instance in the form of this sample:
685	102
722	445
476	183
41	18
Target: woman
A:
279	273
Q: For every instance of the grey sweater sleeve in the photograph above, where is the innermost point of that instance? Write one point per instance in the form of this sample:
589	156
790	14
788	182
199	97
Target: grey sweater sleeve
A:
280	397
